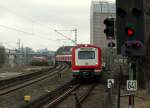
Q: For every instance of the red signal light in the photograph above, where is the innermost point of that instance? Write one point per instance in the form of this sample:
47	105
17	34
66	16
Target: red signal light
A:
130	32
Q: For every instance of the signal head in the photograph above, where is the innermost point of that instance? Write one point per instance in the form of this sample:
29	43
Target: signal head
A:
136	12
109	21
129	31
121	12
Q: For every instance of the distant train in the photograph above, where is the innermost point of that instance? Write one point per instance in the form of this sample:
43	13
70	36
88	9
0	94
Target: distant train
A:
39	61
86	61
64	55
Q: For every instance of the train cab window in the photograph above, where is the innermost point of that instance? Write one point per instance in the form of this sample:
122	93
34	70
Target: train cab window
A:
86	55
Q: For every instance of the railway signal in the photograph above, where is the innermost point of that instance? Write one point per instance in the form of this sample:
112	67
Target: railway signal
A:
109	30
130	31
111	44
130	28
130	37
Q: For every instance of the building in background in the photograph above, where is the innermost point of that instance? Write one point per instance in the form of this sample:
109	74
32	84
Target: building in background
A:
100	10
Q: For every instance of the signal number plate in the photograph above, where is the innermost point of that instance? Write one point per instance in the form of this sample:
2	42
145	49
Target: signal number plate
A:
131	85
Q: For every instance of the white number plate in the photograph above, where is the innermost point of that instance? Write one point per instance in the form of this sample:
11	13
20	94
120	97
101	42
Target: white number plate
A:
131	85
110	82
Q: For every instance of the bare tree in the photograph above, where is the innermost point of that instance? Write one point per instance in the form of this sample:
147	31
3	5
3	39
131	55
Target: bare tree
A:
2	55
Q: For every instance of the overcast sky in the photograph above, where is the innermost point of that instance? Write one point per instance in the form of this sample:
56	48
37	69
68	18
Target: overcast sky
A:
34	22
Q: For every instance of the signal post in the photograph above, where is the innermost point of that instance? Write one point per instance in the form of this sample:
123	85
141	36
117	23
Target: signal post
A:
130	39
109	32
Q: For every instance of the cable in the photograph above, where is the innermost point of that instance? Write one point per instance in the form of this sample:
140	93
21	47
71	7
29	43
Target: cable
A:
24	32
24	17
33	21
29	19
15	29
64	36
28	33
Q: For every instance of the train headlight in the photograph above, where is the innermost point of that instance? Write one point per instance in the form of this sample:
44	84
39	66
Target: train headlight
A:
96	63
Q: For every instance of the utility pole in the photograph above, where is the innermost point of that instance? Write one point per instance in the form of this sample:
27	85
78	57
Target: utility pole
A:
109	32
75	35
18	53
19	45
22	55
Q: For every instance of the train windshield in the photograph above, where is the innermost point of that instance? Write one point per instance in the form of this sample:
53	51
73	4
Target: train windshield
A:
86	55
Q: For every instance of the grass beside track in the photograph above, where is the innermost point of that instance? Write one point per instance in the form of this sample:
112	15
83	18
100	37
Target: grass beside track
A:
143	105
18	68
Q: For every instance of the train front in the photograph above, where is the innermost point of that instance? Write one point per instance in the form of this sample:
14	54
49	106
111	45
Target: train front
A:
86	61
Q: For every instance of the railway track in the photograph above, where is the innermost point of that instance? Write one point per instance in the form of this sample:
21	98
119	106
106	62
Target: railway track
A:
69	90
19	79
7	86
41	101
76	98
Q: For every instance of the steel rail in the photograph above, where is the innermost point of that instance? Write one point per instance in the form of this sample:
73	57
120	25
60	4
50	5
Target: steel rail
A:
87	93
61	97
13	81
44	99
30	82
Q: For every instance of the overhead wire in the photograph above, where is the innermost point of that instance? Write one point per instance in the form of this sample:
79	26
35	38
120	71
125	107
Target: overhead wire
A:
22	31
25	17
29	19
15	29
28	33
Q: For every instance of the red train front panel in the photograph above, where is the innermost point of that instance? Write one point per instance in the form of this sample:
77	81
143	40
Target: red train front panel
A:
86	61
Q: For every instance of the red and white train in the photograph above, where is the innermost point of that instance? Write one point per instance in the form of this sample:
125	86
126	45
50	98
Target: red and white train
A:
64	55
86	61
